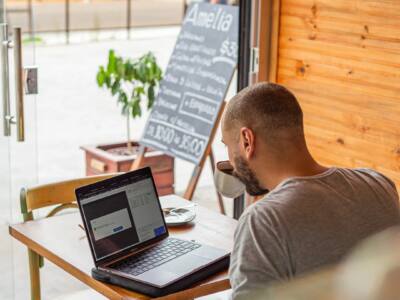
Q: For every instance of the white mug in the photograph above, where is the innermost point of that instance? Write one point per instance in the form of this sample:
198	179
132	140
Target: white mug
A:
227	184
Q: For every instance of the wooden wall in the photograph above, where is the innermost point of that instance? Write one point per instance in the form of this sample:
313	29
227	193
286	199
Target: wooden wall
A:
341	58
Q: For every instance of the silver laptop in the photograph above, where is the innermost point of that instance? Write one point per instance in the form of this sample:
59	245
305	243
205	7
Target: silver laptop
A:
128	236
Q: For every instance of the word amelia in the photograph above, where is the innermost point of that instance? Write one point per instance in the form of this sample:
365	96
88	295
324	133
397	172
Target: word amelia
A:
220	20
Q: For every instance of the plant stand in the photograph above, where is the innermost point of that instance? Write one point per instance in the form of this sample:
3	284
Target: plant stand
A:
110	158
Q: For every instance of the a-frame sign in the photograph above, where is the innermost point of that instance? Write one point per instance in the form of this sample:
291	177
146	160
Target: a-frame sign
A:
190	102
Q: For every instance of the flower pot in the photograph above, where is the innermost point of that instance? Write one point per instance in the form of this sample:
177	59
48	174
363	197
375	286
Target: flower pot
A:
109	158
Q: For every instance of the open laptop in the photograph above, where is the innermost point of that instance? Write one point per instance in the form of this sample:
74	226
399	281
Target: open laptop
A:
129	239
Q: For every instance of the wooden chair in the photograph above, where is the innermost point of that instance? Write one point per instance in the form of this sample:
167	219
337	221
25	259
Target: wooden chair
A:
59	195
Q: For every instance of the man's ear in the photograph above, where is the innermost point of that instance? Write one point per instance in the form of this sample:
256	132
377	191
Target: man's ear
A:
247	142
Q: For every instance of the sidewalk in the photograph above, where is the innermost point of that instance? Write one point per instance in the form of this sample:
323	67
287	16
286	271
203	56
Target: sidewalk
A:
72	110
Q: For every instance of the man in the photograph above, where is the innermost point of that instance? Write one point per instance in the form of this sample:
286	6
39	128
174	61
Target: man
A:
313	215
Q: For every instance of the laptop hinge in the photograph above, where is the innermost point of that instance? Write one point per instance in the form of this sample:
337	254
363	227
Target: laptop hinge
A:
106	264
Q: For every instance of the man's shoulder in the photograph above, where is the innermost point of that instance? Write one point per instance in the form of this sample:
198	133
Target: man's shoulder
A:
375	174
372	177
268	209
295	193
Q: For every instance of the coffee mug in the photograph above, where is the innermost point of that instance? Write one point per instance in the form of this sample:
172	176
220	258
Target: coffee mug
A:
227	184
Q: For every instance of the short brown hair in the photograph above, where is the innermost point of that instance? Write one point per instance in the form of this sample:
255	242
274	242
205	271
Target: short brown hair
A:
267	108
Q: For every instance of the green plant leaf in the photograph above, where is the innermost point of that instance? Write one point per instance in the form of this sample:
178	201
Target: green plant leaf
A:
122	97
136	109
115	88
138	77
120	68
100	76
150	96
111	66
142	73
129	75
139	90
107	80
158	73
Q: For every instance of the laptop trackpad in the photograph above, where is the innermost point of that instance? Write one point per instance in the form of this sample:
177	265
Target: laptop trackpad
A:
174	269
185	264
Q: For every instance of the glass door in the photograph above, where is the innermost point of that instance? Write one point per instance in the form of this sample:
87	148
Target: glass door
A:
18	159
6	280
68	41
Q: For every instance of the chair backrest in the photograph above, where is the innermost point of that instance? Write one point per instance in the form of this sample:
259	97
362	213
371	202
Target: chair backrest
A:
60	194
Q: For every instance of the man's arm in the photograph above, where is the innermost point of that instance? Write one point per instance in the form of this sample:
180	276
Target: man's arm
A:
258	256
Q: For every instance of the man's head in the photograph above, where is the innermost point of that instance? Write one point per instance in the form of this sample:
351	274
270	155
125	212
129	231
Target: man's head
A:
262	126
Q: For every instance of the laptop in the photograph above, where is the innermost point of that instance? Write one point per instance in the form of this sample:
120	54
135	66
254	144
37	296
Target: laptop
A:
129	239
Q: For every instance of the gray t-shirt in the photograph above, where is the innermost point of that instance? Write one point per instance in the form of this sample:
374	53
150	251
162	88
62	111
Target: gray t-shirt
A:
309	222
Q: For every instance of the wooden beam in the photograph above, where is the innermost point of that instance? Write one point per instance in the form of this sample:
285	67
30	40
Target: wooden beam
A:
264	37
274	40
269	16
220	199
199	168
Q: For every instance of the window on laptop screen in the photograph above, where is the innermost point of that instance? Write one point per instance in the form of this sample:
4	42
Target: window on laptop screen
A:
122	217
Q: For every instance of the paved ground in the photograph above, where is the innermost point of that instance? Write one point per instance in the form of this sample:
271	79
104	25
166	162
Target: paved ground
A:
72	111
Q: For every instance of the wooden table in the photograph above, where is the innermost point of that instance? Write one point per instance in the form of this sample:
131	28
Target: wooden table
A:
60	240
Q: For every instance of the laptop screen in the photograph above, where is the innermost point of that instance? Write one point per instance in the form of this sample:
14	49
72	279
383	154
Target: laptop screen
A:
122	212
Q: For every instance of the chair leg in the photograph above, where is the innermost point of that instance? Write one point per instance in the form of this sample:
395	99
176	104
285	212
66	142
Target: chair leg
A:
34	274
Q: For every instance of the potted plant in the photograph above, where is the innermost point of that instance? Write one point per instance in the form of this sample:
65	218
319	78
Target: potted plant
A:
133	82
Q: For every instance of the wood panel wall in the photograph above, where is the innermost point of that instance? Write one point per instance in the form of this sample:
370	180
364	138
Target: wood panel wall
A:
341	58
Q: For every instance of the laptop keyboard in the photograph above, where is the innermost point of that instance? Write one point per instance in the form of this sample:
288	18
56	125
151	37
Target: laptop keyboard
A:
155	256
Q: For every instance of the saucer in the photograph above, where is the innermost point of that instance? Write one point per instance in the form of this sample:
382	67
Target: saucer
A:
179	216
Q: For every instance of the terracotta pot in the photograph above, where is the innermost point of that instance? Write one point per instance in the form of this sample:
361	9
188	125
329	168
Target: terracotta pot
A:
108	158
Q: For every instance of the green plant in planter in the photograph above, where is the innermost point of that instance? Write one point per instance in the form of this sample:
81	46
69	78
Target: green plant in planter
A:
131	81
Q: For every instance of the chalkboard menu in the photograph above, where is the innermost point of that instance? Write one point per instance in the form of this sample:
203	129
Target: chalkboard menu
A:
195	82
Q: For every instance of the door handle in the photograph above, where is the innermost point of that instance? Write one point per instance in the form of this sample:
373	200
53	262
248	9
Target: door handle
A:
5	45
8	119
19	85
